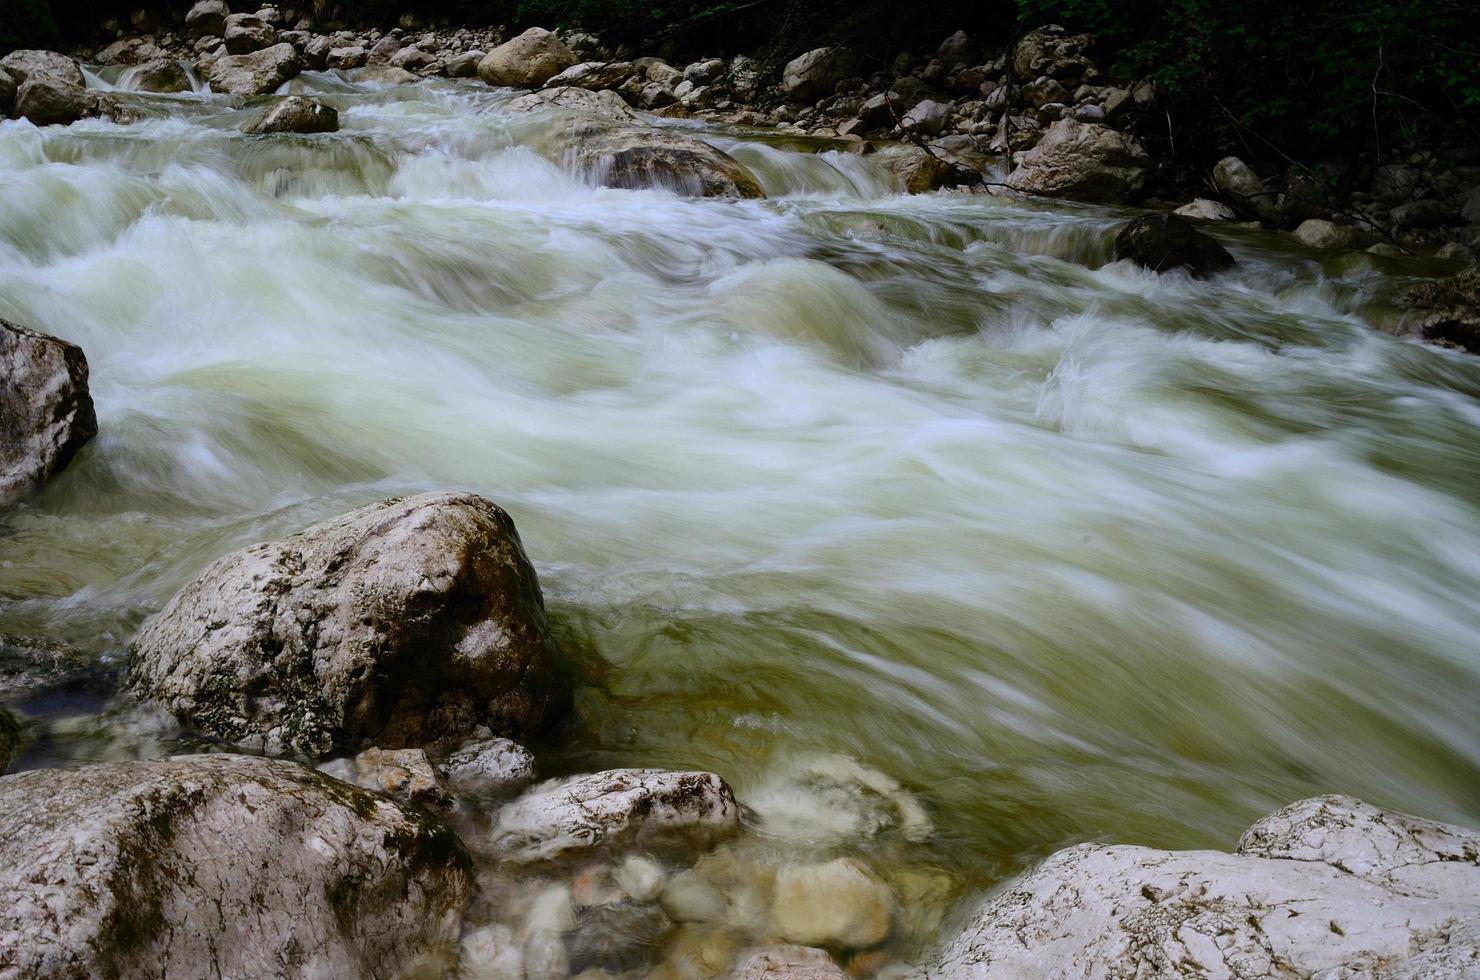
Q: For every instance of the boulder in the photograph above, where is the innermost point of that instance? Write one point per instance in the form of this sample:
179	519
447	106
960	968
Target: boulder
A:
409	622
1243	189
464	65
402	774
1164	241
46	411
1082	162
815	74
1052	51
207	17
128	51
839	904
316	53
580	814
527	61
219	865
1206	209
295	114
31	63
413	59
605	103
927	118
958	51
385	74
787	963
493	767
916	171
48	102
383	50
633	157
257	73
162	75
346	57
1447	310
593	75
1329	887
1318	233
705	72
246	33
7	93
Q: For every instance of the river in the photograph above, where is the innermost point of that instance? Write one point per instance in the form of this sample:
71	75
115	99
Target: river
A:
841	480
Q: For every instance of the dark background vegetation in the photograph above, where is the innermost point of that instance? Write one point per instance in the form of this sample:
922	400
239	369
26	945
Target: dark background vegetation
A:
1270	79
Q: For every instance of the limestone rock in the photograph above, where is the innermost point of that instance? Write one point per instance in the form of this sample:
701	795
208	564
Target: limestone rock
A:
787	963
296	114
1447	310
1052	51
48	102
207	17
927	118
527	61
385	74
579	814
1328	887
128	51
1082	162
838	904
1206	209
402	774
46	411
246	33
218	865
465	65
917	171
161	75
408	622
632	157
346	57
257	73
810	76
1164	241
606	103
31	63
493	767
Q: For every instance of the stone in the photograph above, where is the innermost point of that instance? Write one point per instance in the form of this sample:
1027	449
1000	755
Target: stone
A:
527	61
810	76
689	897
593	75
219	865
128	51
258	73
163	75
1243	189
606	103
1395	183
493	767
879	110
927	118
383	74
413	59
401	774
641	878
7	93
1206	209
1447	310
464	65
838	904
1161	242
207	17
295	114
616	936
1318	233
1042	91
346	57
31	63
48	102
383	50
246	33
1082	162
1426	212
405	623
1327	887
787	963
832	798
31	667
957	51
656	95
1052	51
634	158
705	72
1470	206
316	53
46	410
577	815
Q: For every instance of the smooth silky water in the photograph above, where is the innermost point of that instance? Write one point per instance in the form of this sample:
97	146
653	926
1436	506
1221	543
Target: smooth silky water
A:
838	482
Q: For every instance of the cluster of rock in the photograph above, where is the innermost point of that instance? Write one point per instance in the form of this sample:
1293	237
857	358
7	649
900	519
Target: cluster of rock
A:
49	88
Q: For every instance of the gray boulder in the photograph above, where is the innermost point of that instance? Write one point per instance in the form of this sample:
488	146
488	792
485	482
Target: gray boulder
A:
46	411
464	65
207	17
219	865
30	666
257	73
1447	311
1206	209
162	75
402	774
927	118
1164	241
810	76
408	622
1243	189
246	33
489	767
527	61
606	103
1327	887
575	816
346	57
1319	233
45	101
633	157
1082	162
31	63
787	963
295	114
593	75
316	52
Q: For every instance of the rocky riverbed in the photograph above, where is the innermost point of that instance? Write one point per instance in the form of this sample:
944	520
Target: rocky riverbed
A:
498	506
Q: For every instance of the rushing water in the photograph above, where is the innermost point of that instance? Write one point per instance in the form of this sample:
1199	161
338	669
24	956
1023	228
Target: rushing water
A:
839	480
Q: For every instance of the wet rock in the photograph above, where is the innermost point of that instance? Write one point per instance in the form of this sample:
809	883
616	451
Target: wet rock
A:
689	897
128	51
1318	233
383	50
257	73
10	740
295	114
346	57
1082	162
246	33
219	865
579	814
528	61
606	104
30	667
1328	887
494	767
408	622
927	118
47	102
207	17
1243	189
402	774
640	877
7	93
788	963
705	72
616	936
465	65
413	59
1206	209
838	904
31	63
815	74
316	53
1425	213
1164	241
162	75
833	798
1447	310
385	74
46	411
916	171
633	158
594	75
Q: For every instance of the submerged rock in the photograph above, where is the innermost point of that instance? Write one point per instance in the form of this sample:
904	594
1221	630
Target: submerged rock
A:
1328	886
527	61
46	411
295	114
565	817
491	767
219	865
257	73
634	158
30	667
1164	241
386	74
1082	162
839	904
788	963
409	622
402	774
1447	310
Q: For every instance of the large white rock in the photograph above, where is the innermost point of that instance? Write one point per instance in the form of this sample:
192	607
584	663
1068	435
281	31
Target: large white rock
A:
604	103
808	77
527	61
1328	887
489	767
257	73
1082	162
409	622
46	411
579	814
218	866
